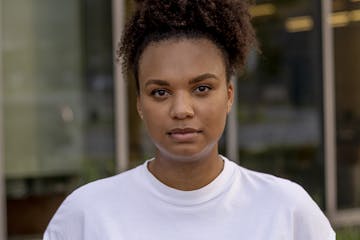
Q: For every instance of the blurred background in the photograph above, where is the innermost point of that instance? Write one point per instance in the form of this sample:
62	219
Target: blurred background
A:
297	113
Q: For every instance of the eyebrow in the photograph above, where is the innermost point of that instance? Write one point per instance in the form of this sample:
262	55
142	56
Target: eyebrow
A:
202	77
157	82
192	81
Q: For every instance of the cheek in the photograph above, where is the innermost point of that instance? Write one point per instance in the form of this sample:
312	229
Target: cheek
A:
153	116
214	114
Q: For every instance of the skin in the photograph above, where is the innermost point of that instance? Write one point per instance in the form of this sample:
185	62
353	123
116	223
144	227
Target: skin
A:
184	100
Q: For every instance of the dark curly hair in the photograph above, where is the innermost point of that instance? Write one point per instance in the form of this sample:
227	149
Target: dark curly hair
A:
225	22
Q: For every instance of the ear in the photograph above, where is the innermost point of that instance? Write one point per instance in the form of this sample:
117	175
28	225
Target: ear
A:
230	95
139	107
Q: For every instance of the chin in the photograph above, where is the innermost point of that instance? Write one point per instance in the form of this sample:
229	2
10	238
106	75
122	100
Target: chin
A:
185	154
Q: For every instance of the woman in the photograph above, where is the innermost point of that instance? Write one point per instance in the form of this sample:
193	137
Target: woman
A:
181	55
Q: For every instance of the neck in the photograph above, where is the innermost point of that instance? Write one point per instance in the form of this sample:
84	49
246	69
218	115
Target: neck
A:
187	175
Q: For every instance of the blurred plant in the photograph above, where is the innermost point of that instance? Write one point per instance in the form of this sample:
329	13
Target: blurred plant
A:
349	233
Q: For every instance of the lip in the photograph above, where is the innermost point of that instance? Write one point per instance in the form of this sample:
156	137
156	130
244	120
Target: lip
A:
184	134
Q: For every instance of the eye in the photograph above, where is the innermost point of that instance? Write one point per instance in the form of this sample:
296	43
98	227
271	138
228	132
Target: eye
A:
159	93
202	89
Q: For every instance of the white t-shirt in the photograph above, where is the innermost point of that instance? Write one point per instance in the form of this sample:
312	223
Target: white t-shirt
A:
238	204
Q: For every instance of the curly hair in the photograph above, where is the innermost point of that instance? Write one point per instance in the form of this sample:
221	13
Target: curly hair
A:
225	22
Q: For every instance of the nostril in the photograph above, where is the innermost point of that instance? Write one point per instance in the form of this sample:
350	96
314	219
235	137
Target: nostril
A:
182	108
182	112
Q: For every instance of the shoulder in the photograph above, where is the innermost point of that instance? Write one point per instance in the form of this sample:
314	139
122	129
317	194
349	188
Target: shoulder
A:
258	186
88	203
286	197
275	190
101	189
273	187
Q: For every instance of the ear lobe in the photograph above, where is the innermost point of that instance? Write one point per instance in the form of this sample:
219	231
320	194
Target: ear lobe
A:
228	108
139	108
230	101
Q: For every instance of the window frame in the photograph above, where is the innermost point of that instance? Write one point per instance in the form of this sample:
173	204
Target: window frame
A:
2	154
121	96
337	217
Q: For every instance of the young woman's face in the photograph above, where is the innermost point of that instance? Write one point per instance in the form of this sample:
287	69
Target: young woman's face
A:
184	97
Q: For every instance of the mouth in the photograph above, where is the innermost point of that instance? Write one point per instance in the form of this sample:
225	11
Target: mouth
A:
184	134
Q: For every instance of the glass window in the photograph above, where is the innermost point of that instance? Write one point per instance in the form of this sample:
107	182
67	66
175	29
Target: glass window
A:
58	104
140	146
346	23
280	95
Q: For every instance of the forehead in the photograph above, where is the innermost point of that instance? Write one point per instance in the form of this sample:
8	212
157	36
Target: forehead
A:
180	57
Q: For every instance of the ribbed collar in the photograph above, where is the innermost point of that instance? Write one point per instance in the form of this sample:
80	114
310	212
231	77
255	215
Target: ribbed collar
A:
187	198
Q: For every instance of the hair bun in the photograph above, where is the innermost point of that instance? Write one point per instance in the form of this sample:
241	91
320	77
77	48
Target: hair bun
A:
139	2
226	22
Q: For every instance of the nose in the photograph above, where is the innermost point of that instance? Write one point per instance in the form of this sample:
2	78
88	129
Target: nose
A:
181	107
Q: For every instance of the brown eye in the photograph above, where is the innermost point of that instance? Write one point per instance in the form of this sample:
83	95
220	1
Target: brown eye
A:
202	89
160	93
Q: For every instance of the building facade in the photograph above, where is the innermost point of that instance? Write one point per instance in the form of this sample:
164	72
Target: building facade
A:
68	116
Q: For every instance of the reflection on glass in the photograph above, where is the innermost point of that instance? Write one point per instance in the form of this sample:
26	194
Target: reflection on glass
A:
57	78
280	96
347	85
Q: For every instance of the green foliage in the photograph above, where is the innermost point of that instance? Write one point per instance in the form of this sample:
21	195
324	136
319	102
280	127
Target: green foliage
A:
350	233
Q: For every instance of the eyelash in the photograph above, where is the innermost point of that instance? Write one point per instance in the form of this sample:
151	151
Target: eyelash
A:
207	88
156	91
165	92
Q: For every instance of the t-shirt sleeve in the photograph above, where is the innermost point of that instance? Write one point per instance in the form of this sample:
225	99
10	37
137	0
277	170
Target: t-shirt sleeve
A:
67	223
52	235
309	222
